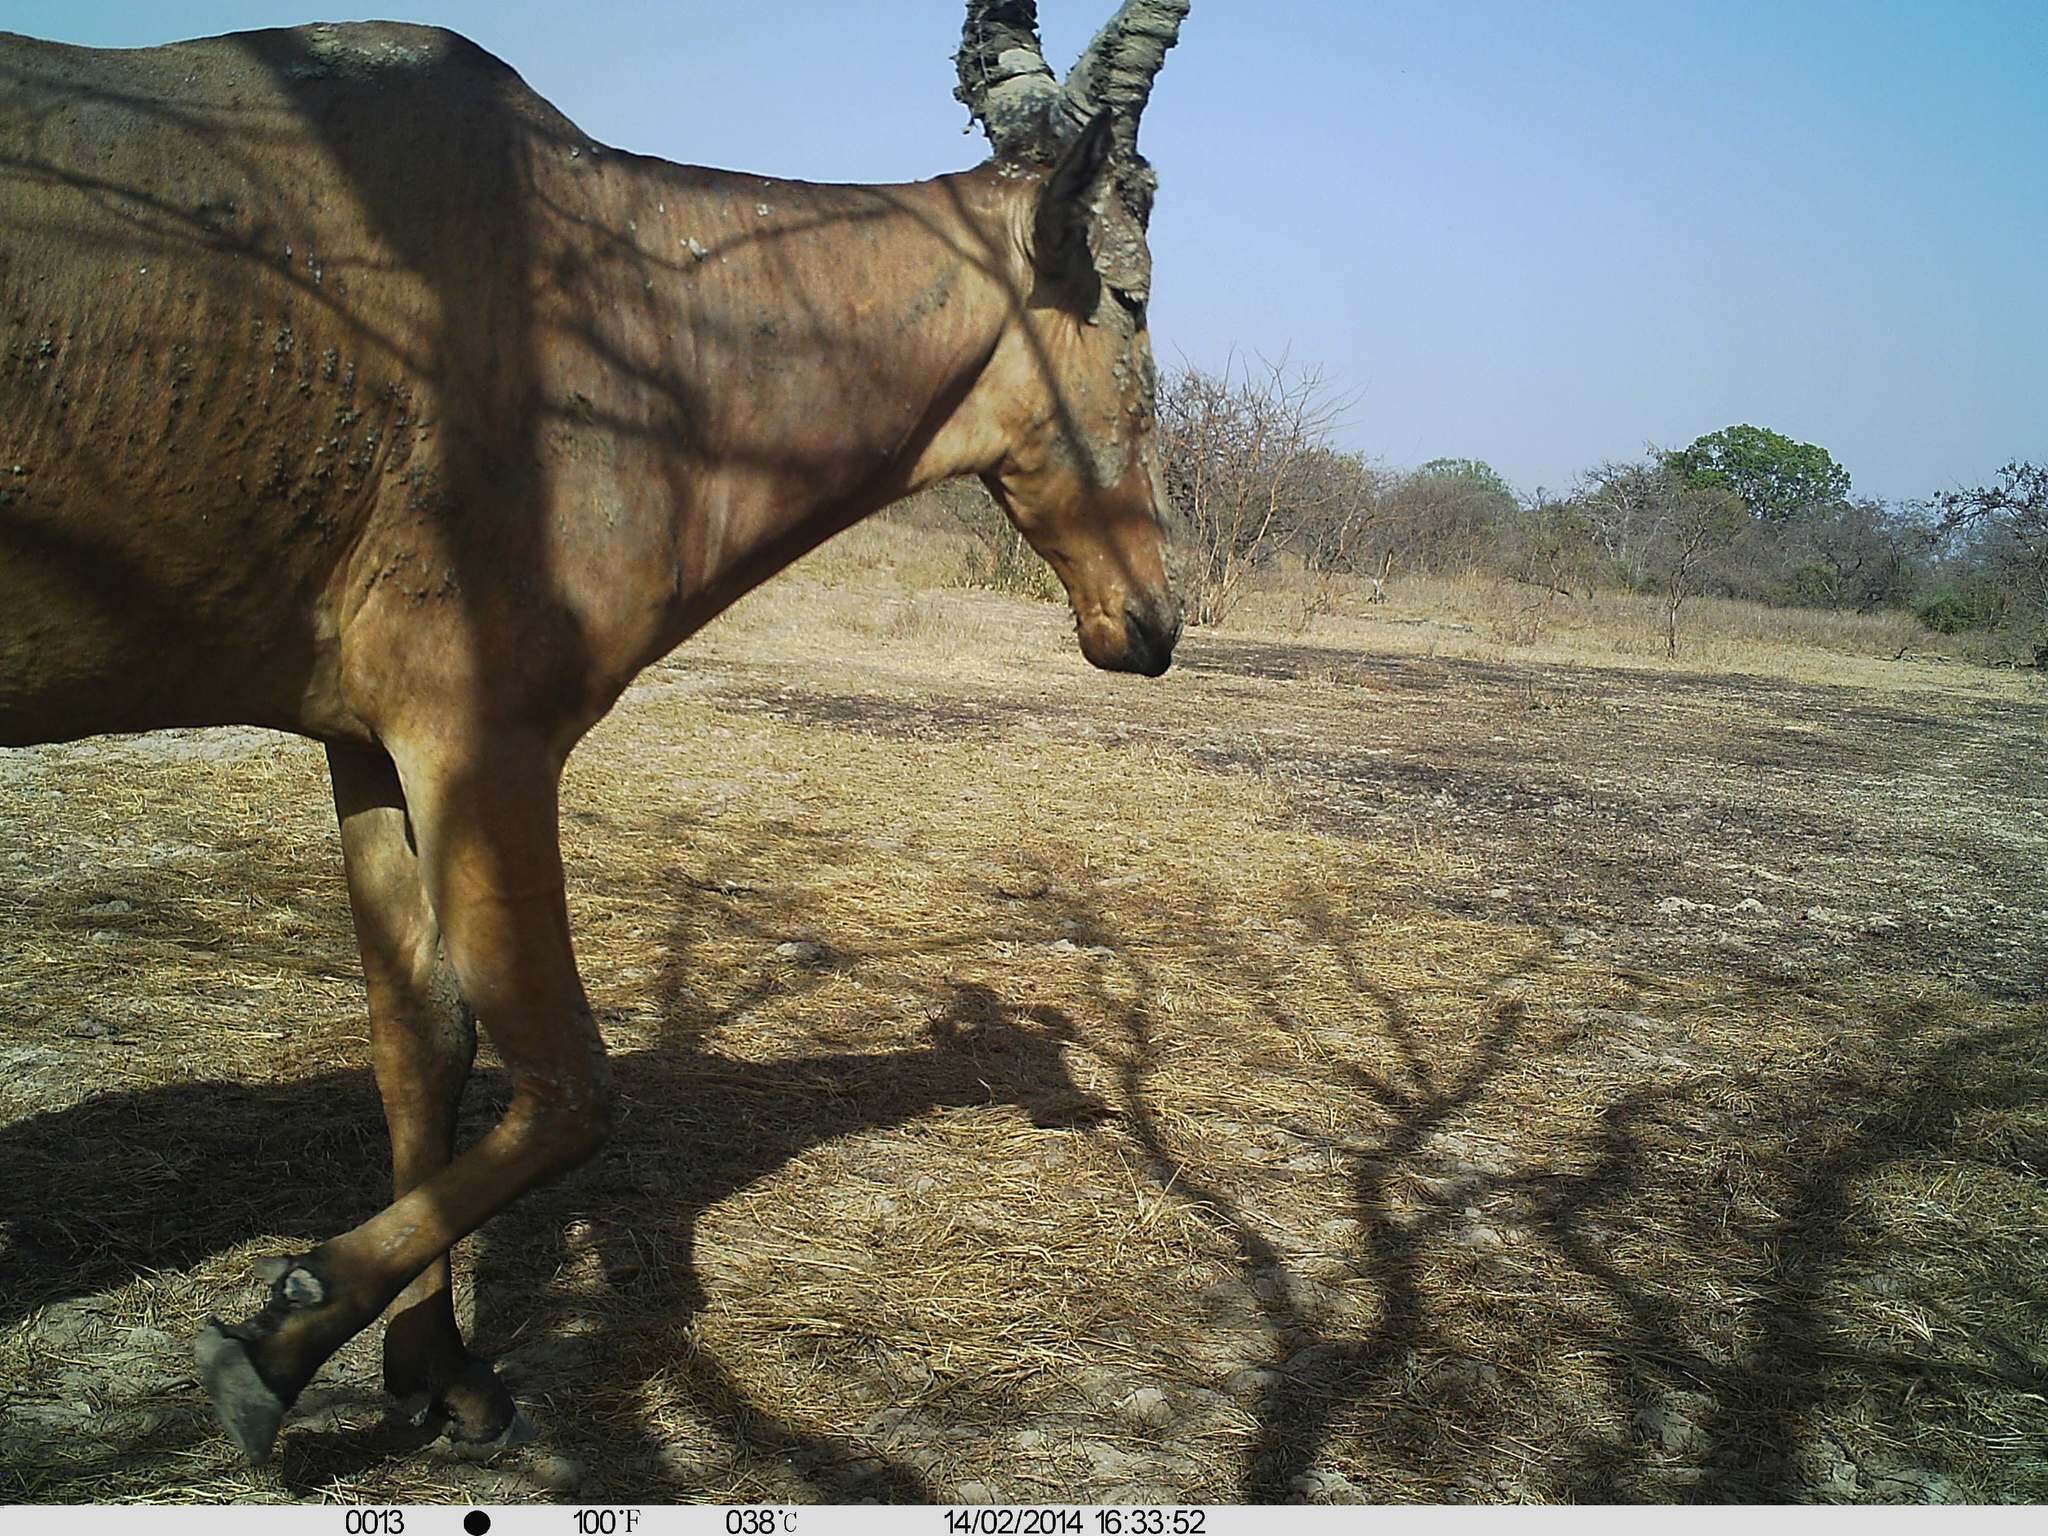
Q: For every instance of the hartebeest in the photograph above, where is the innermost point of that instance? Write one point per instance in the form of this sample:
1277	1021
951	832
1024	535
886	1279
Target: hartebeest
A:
347	388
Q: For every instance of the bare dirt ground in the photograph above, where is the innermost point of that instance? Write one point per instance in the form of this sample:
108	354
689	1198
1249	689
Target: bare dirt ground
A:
1328	1072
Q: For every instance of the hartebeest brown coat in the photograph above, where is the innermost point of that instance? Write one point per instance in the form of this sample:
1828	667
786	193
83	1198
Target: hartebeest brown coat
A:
347	388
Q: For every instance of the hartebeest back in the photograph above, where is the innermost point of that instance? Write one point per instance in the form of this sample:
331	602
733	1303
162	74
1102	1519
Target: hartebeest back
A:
347	388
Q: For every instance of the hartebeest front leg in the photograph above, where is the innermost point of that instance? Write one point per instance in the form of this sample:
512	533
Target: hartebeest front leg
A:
422	1041
485	827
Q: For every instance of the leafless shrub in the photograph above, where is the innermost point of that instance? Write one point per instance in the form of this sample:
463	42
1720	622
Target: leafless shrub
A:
1997	539
1660	531
1250	470
1691	526
1620	503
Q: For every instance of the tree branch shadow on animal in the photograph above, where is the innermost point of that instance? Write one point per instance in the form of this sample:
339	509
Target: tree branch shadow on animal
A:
450	622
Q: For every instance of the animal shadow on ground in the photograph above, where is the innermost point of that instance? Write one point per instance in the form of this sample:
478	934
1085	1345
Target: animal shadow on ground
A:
126	1183
698	1127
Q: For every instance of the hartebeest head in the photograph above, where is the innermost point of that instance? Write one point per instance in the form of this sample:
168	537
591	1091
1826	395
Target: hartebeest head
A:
1071	385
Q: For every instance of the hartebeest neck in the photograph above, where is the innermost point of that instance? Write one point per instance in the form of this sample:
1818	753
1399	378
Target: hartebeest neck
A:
796	355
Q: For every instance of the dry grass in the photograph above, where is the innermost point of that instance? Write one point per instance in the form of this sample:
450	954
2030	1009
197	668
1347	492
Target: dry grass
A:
1286	1080
921	551
1484	616
897	555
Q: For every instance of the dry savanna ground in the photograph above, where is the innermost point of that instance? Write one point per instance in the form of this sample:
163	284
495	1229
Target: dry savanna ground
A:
1397	1061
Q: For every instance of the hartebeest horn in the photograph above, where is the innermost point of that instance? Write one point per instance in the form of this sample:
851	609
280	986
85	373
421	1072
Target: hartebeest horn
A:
1007	85
1029	115
1116	73
1005	81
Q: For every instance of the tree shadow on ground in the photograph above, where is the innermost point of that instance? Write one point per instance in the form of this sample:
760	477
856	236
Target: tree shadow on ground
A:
1903	1101
1895	1093
129	1182
1318	1372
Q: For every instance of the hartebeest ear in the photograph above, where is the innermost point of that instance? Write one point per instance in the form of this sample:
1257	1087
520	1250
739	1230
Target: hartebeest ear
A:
1069	209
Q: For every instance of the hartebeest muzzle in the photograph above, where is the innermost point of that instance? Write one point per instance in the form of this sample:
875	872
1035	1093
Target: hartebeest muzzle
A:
1150	632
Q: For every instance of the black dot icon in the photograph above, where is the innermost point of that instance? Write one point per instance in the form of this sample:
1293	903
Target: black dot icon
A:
476	1522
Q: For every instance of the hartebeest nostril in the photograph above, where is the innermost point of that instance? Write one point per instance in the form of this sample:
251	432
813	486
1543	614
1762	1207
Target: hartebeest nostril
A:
1151	634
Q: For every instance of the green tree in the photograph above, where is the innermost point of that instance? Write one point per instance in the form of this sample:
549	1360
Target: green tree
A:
1778	480
1482	475
1447	514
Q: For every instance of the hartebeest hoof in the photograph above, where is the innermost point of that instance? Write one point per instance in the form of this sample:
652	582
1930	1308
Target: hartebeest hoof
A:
253	1370
243	1402
474	1411
519	1430
479	1411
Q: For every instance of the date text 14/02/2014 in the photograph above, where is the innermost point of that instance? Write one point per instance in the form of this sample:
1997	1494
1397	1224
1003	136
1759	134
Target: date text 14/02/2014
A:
1045	1521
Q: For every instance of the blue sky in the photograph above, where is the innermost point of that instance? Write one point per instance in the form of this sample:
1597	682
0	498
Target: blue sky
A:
1535	233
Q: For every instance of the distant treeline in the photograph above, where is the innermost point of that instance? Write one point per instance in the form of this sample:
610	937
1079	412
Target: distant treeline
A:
1744	512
